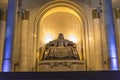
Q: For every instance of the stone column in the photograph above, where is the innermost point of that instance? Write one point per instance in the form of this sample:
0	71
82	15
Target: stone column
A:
97	36
24	39
2	34
117	15
8	44
110	33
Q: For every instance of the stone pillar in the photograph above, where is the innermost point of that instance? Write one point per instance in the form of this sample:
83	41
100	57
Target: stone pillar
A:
117	15
110	33
2	34
8	44
24	39
97	36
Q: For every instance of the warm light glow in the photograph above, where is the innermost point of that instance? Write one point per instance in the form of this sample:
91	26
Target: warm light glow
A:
61	9
72	37
90	38
48	37
60	20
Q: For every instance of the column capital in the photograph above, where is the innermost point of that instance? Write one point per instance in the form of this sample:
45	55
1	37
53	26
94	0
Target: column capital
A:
2	14
117	13
96	13
25	14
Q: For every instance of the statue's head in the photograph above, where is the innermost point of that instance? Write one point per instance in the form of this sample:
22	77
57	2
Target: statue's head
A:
61	36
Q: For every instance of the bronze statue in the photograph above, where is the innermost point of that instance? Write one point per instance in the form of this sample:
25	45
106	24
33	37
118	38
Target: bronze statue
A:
60	49
61	42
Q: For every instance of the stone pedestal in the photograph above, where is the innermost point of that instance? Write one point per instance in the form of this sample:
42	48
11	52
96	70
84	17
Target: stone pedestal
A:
60	65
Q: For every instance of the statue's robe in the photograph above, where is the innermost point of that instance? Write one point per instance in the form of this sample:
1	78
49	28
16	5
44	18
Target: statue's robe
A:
60	50
61	53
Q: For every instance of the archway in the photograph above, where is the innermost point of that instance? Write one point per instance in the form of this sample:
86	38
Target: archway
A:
61	17
60	20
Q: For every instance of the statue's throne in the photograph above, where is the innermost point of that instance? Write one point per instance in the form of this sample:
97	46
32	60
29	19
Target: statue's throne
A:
60	55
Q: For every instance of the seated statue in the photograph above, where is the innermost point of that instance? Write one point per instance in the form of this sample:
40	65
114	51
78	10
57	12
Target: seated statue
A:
60	49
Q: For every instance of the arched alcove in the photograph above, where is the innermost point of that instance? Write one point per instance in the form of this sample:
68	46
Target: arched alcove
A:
60	20
61	17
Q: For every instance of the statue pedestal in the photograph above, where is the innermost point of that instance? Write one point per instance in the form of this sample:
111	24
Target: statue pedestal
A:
60	65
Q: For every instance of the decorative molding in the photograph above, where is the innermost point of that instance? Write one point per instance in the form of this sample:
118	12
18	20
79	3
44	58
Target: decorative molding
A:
117	12
96	13
61	65
25	14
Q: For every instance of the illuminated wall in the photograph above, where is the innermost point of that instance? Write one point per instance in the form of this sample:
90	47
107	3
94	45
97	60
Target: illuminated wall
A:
73	18
67	18
60	22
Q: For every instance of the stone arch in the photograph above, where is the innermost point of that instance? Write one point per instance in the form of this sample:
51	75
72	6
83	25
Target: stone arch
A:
77	11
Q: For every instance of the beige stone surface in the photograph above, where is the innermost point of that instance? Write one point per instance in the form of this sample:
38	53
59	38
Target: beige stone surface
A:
2	36
24	46
98	47
60	65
